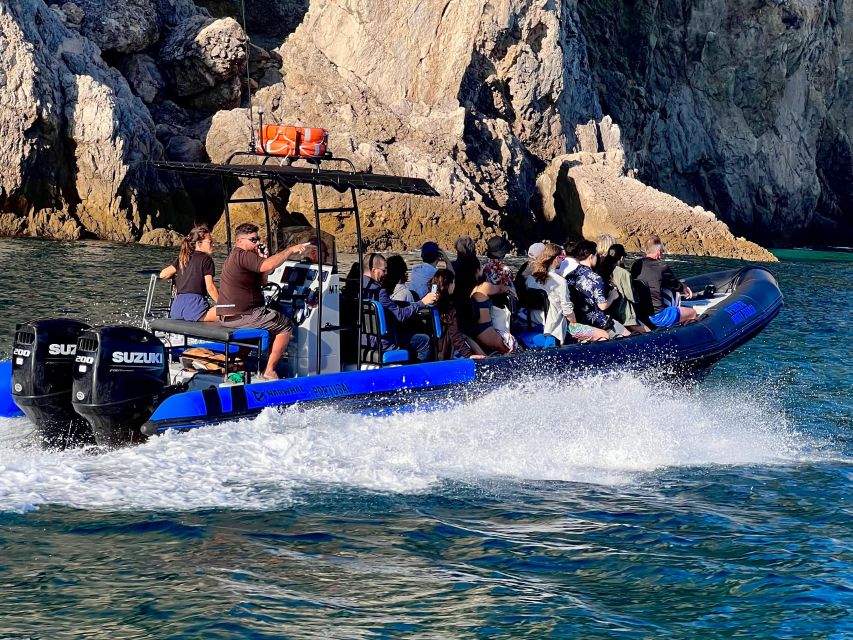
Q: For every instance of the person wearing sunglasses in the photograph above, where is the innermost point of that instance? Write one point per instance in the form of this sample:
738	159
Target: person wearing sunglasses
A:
241	302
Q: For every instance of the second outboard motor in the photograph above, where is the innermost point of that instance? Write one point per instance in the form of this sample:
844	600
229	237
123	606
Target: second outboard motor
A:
120	377
42	370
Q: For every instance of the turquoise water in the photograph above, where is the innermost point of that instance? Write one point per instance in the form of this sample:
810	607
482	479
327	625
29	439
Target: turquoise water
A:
604	508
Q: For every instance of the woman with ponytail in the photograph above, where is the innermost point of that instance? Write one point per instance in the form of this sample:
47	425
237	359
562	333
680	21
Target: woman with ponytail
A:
193	272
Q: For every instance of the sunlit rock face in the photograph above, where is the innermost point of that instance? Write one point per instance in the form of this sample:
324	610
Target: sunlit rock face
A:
739	114
475	97
75	140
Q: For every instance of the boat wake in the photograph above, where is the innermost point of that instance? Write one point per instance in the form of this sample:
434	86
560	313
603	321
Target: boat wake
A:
602	430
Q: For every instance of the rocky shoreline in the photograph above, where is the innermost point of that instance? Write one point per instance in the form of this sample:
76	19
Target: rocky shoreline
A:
499	104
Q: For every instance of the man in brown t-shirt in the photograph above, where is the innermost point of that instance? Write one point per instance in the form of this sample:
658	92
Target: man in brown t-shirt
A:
241	302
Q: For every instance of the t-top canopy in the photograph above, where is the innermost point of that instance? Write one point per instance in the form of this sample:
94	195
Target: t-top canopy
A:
289	176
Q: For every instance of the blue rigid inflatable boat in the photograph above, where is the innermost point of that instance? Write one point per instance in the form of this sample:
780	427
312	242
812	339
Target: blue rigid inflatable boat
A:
749	299
119	385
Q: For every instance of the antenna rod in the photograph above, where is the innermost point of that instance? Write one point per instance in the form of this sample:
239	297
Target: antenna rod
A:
252	139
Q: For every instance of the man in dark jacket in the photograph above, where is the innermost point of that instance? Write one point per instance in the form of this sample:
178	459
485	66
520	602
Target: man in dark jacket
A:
652	278
397	314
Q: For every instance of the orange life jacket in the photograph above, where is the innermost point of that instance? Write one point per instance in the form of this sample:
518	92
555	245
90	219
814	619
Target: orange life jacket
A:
281	140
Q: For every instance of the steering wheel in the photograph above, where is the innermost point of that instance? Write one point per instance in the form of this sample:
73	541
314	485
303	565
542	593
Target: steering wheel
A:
271	292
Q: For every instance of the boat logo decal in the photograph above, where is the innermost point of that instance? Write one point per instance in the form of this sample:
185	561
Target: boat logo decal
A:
317	391
740	311
330	390
62	349
137	357
260	394
24	353
85	359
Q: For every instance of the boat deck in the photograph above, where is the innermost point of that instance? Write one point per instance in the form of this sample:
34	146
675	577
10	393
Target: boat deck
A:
702	306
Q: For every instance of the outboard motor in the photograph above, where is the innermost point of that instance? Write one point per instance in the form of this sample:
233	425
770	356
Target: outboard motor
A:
121	375
42	375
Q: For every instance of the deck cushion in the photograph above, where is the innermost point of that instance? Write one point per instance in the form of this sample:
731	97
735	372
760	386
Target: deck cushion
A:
211	331
394	356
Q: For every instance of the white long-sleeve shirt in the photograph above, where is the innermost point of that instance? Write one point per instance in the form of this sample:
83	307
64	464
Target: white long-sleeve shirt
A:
559	304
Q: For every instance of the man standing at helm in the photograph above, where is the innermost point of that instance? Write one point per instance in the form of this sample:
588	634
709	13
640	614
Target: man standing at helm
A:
241	301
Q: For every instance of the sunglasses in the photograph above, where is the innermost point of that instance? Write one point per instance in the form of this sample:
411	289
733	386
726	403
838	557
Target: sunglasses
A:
254	240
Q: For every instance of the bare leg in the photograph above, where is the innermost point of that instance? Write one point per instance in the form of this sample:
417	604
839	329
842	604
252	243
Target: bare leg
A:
210	316
686	314
279	344
491	340
477	349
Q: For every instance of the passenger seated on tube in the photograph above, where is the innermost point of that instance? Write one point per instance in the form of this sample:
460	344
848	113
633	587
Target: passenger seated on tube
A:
397	314
453	342
496	271
588	292
473	304
617	279
521	277
561	322
193	272
653	279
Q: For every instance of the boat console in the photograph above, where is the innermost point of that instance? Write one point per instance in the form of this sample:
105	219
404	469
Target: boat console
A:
300	288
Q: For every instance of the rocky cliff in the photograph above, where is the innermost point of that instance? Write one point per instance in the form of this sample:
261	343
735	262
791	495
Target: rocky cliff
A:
744	107
505	106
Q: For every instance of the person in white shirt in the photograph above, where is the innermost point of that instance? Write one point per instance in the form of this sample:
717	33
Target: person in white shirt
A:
560	320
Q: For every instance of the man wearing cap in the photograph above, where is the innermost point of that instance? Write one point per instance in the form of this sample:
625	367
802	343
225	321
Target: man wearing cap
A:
422	273
653	281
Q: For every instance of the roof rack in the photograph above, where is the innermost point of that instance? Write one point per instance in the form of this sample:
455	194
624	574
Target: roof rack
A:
290	176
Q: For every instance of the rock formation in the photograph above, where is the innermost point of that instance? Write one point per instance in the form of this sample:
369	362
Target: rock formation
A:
741	110
479	126
742	107
75	139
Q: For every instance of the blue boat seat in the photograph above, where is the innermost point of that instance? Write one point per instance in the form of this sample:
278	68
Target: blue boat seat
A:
374	327
535	300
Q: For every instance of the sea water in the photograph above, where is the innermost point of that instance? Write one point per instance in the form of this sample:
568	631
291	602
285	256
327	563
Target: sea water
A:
612	506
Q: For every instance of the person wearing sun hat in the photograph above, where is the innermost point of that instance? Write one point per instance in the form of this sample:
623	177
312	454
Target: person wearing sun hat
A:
431	254
534	251
495	270
498	273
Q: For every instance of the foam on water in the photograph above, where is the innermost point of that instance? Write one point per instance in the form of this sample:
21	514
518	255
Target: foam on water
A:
601	430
